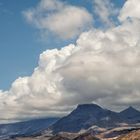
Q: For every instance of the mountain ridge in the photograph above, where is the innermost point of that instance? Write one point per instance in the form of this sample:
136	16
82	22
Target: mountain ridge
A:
26	128
86	115
130	114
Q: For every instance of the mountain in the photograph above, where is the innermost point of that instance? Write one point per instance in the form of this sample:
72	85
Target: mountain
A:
86	122
85	116
130	115
26	128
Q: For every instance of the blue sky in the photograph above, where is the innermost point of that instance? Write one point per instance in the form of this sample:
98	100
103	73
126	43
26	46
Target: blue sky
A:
20	43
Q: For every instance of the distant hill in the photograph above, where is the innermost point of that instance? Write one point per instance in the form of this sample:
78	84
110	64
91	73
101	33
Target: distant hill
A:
130	115
26	128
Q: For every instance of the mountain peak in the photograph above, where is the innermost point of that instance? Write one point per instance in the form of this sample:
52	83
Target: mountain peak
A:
88	106
131	110
130	113
85	116
86	109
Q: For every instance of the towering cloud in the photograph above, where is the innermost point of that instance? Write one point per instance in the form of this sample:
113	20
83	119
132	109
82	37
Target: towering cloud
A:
130	10
101	67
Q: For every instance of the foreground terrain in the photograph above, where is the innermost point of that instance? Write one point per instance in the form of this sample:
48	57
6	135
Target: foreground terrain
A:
126	135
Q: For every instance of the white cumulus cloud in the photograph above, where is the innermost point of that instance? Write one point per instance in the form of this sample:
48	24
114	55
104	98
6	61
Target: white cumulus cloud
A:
63	20
131	9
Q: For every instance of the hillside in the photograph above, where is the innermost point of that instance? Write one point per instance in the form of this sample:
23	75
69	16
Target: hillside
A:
85	116
134	135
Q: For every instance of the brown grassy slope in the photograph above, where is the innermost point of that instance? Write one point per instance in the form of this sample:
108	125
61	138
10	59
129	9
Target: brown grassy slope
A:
134	135
86	136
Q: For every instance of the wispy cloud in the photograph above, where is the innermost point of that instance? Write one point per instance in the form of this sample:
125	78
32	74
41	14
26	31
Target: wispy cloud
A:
4	10
106	11
63	20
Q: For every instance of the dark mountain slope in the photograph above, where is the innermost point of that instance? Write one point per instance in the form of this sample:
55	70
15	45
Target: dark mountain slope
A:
130	115
26	128
85	116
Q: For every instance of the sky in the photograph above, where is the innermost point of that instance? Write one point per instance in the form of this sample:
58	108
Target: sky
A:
55	54
21	43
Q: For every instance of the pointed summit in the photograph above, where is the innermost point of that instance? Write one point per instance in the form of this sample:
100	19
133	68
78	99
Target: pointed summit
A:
130	113
130	108
85	116
88	107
